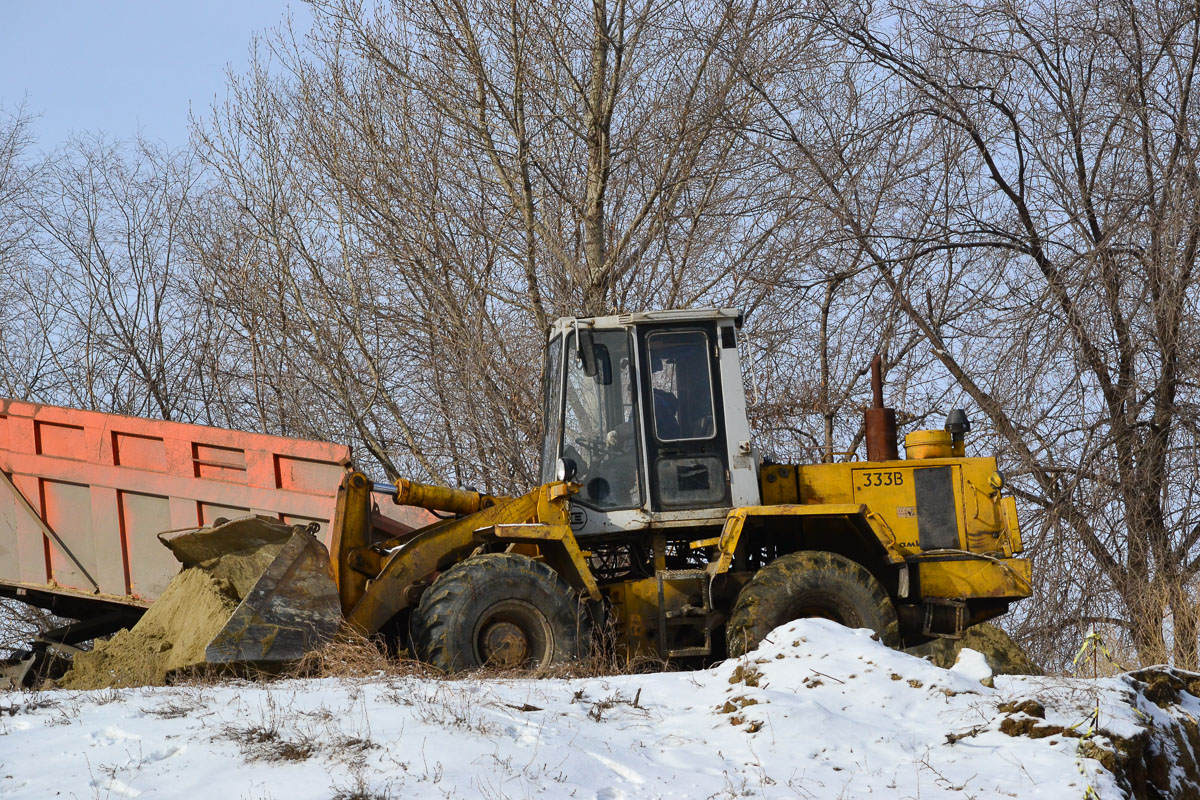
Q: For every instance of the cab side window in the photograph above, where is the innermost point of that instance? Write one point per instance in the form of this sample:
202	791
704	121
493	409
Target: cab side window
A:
687	463
681	382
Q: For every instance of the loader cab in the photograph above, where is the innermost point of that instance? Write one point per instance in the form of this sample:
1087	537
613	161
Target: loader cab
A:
647	413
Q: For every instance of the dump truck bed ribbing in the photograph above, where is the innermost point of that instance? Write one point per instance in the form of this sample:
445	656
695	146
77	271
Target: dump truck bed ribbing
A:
84	494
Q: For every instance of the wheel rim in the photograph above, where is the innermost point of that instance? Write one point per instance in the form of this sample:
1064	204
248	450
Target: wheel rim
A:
512	633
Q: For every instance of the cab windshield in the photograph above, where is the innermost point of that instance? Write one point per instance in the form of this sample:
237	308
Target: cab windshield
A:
597	426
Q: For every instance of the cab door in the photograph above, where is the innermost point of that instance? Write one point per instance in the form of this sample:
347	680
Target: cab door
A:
683	411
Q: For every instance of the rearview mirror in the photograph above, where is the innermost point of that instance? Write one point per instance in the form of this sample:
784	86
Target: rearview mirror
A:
594	357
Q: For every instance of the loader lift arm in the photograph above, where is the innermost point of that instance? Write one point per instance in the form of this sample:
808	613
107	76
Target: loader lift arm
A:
378	580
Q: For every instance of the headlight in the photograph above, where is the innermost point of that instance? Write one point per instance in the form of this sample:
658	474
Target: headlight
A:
565	470
997	480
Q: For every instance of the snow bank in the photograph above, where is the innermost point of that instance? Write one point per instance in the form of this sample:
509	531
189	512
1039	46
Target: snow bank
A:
818	711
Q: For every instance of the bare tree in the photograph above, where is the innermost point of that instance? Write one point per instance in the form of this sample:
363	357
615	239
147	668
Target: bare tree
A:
15	176
98	286
1025	184
433	183
19	357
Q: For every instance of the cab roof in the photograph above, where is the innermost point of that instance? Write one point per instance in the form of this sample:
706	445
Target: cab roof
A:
643	317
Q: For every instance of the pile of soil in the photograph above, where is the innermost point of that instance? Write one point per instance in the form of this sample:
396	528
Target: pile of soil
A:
172	635
176	629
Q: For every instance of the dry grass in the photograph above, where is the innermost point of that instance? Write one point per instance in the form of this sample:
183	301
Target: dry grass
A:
607	656
275	736
352	655
204	675
596	665
267	743
358	788
348	654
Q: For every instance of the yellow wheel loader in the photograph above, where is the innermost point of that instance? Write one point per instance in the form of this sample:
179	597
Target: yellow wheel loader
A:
657	515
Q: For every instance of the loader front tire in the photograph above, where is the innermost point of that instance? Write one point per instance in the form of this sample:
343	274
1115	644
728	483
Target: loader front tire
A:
810	583
499	610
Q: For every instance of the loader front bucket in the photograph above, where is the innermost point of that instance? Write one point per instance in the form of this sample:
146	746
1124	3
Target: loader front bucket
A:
252	592
281	577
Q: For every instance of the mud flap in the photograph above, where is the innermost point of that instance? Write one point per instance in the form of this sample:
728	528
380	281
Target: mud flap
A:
291	608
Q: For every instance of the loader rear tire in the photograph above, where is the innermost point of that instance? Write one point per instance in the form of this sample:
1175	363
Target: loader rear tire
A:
810	583
499	610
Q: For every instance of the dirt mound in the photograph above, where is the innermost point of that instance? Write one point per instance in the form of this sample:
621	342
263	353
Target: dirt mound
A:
1003	655
172	634
195	606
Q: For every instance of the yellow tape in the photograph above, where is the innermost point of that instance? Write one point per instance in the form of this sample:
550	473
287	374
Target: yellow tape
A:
1094	640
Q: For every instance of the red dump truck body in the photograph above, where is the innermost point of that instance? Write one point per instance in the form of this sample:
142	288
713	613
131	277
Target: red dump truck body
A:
83	495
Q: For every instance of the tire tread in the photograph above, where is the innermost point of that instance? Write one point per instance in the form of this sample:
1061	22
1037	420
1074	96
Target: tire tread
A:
766	595
433	620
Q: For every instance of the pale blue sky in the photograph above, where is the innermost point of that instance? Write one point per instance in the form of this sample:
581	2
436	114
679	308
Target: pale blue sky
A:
126	65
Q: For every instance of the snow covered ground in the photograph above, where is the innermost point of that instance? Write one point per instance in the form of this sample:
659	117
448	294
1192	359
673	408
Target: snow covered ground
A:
818	711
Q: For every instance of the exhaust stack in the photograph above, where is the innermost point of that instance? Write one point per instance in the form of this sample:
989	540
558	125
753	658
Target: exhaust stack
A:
880	421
